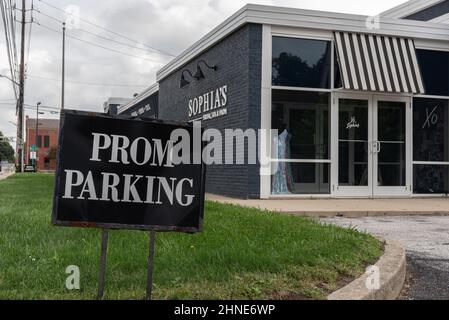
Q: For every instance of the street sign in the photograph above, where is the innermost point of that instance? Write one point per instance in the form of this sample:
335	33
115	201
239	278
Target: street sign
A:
33	148
33	155
118	173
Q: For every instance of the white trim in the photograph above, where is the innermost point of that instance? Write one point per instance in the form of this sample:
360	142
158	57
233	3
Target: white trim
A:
304	33
430	195
349	191
393	94
141	96
406	190
431	97
303	160
432	163
300	196
265	112
431	45
309	19
324	90
408	8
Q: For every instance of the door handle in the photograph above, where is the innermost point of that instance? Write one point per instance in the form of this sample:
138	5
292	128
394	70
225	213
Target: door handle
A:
373	147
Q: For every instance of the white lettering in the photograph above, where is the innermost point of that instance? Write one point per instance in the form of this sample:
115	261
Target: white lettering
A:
96	145
89	183
69	182
116	147
110	186
146	154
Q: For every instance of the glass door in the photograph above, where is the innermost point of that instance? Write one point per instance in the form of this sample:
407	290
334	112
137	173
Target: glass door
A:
391	146
353	124
372	146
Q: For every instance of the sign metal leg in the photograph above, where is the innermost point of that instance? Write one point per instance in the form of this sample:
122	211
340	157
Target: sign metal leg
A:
102	274
150	265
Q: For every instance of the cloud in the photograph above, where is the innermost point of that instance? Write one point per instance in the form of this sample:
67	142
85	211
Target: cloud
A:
170	25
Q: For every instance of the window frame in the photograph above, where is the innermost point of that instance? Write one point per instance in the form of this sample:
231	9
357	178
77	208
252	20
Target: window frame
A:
46	141
418	162
421	68
39	141
331	62
297	34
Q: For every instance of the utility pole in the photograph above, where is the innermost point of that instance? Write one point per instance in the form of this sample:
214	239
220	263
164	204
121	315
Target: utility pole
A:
20	143
37	137
63	65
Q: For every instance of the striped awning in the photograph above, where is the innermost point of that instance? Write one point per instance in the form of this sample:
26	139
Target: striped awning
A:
378	63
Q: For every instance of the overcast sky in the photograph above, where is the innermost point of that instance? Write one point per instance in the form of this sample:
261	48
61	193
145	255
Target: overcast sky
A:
91	72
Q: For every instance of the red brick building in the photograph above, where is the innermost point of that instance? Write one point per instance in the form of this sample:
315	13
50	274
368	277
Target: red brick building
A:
47	141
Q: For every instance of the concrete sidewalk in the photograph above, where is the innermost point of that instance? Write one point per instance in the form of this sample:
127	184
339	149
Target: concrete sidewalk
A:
346	207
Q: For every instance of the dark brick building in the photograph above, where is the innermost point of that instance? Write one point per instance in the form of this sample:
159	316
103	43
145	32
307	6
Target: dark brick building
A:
344	92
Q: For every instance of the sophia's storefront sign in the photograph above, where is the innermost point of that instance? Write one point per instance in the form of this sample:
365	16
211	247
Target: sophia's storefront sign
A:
119	173
209	105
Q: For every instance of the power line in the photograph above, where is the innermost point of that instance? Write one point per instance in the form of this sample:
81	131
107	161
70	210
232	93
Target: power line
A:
13	31
30	106
90	83
29	36
97	45
9	45
98	35
108	30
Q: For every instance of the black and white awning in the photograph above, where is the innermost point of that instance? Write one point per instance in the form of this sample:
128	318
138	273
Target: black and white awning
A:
378	63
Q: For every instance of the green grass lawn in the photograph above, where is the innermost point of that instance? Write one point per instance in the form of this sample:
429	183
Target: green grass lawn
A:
242	253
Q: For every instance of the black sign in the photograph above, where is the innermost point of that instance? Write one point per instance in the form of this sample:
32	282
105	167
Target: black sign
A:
117	172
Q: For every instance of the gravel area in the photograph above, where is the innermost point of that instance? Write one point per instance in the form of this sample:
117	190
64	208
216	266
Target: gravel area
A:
426	240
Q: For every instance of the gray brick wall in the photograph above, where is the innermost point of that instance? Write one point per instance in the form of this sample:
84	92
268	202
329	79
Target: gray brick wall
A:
238	58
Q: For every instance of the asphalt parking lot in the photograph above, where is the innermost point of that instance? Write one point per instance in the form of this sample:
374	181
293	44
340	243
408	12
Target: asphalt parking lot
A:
426	240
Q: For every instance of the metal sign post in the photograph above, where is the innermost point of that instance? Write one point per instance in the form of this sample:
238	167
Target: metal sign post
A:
150	265
102	274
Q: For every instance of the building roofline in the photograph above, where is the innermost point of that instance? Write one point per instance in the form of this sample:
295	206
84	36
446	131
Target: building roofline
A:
408	8
312	19
141	96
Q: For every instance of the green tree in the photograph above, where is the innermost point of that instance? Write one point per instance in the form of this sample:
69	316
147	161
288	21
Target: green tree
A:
6	151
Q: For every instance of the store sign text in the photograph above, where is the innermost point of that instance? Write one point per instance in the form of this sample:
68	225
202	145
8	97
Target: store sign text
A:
207	106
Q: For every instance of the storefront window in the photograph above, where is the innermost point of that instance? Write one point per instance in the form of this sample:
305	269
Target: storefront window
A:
302	145
428	179
301	62
430	130
435	71
430	146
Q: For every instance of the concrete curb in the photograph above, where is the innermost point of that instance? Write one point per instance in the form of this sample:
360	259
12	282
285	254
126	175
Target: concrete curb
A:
359	214
392	269
348	208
